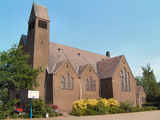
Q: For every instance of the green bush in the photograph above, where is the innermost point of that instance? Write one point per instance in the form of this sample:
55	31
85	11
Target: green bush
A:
76	112
39	109
88	112
114	110
15	115
156	104
127	105
100	109
135	109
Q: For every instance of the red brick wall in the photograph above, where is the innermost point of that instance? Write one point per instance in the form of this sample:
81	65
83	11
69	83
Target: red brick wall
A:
41	53
62	97
141	97
89	72
124	95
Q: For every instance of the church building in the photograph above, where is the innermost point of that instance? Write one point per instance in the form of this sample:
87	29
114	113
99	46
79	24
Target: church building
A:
72	74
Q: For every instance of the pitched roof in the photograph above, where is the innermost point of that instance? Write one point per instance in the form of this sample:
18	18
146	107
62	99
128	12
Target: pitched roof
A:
82	69
24	39
76	57
107	68
41	11
58	65
138	89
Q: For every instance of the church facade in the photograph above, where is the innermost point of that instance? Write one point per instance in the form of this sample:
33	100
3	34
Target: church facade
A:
71	74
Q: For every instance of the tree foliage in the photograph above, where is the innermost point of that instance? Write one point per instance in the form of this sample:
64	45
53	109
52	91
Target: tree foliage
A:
148	81
15	74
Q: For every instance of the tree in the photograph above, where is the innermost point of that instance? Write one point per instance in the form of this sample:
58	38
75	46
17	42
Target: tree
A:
15	73
148	81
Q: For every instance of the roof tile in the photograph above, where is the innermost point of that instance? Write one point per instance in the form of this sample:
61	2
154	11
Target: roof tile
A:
107	68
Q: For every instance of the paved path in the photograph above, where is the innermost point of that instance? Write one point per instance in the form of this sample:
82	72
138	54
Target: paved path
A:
149	115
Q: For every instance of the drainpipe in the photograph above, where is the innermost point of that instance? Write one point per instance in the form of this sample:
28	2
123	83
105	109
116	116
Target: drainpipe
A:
80	95
46	86
100	88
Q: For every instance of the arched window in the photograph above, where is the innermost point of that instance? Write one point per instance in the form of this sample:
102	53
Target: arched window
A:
128	82
71	84
62	83
124	79
67	82
121	80
94	85
90	84
86	85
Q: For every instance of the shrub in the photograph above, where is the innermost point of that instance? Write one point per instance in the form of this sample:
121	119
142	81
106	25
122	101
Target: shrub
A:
135	109
15	115
91	103
39	109
100	108
112	102
88	112
127	105
156	104
114	110
76	112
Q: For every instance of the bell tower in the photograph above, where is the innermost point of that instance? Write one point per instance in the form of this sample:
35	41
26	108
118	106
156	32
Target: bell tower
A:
38	41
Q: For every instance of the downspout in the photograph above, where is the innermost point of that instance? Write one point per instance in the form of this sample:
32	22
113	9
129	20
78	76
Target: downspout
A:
46	86
22	98
80	94
100	88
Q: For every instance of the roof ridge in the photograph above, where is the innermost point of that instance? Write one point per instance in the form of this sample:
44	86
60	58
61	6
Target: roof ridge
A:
77	48
117	66
39	5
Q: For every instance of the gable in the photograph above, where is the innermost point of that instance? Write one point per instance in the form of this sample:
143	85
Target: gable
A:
76	57
23	40
64	65
82	69
107	68
39	11
123	64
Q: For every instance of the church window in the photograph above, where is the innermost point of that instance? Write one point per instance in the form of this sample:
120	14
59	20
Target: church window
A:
71	84
67	81
94	85
86	85
121	80
62	83
41	42
128	82
67	66
90	84
42	24
124	79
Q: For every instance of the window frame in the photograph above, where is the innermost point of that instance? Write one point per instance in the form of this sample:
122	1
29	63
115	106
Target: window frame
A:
62	83
121	80
71	83
67	81
124	79
94	85
128	82
90	83
87	88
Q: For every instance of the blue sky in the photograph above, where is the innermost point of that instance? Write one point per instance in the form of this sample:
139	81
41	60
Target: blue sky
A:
128	27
